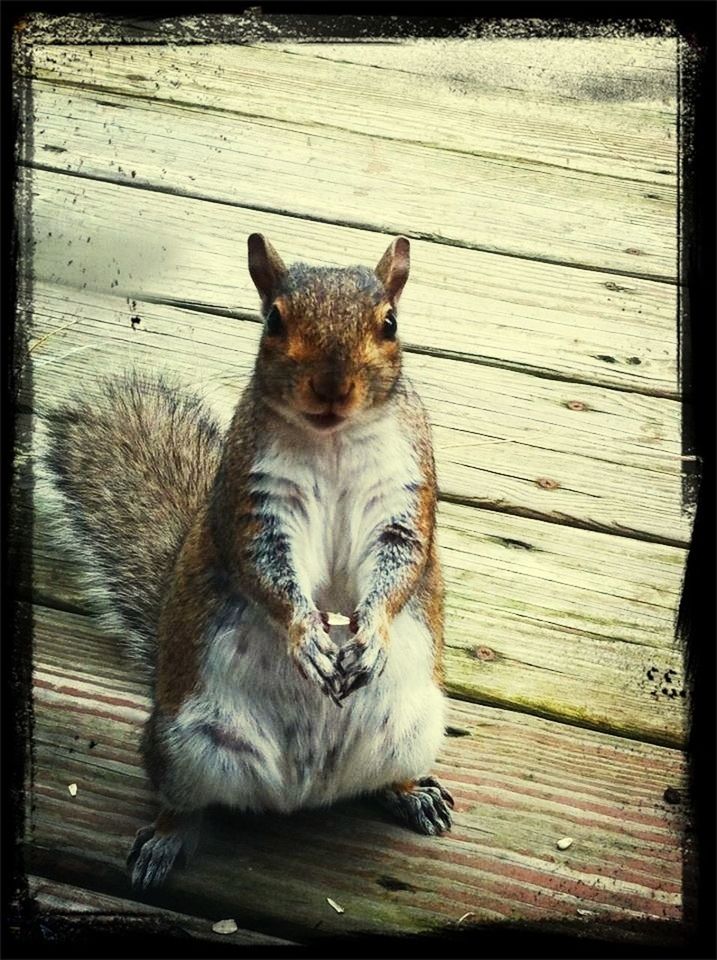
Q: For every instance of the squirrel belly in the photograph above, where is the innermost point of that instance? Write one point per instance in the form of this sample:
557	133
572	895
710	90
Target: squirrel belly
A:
265	740
253	733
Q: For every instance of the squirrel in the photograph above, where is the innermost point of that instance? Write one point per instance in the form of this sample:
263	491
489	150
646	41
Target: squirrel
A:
221	557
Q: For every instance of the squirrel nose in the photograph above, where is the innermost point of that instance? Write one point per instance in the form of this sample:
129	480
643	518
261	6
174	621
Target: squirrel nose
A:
331	390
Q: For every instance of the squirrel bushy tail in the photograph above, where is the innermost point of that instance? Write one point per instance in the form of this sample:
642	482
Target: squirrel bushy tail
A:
134	466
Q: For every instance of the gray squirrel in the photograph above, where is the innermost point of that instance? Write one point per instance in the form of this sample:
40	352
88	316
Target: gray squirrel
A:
222	557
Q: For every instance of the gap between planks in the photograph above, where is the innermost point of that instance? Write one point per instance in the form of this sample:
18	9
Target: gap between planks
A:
524	626
504	159
84	906
516	124
513	207
455	242
478	698
543	373
599	473
537	315
573	522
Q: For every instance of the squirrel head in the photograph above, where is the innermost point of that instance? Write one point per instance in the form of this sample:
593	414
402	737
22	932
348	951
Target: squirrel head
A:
329	353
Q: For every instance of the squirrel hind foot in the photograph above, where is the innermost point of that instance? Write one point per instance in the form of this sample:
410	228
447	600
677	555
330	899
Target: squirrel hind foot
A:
157	848
423	805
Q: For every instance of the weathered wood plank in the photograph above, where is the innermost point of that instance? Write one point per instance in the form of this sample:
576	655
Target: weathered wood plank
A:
440	94
511	207
520	784
93	910
590	456
580	325
637	72
564	623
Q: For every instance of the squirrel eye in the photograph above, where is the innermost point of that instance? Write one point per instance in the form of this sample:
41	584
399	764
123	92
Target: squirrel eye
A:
274	323
390	326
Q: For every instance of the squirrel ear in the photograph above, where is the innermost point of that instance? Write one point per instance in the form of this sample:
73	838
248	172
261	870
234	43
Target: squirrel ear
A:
392	269
266	267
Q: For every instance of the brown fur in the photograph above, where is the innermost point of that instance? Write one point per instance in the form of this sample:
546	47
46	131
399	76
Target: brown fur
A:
431	596
230	524
333	321
405	786
189	604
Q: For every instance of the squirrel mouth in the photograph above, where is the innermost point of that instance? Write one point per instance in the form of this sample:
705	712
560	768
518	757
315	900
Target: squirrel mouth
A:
324	421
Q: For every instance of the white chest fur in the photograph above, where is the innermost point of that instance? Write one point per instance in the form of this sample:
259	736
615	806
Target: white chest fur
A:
332	495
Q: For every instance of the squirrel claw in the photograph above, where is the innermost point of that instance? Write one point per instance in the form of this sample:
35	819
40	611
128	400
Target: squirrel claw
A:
152	857
141	837
360	662
432	782
155	860
328	683
360	680
332	696
155	852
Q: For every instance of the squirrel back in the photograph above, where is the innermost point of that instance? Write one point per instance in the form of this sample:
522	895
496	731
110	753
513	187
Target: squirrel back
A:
137	460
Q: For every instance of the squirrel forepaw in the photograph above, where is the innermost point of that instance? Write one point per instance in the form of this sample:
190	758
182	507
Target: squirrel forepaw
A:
315	654
363	657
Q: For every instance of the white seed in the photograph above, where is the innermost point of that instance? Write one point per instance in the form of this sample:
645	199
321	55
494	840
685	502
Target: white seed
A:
338	620
585	913
73	789
337	906
565	843
225	926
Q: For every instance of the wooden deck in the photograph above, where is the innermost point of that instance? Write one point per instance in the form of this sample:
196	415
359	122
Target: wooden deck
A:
537	180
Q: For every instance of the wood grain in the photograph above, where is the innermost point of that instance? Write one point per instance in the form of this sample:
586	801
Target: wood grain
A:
564	623
520	784
514	206
532	101
504	439
618	73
